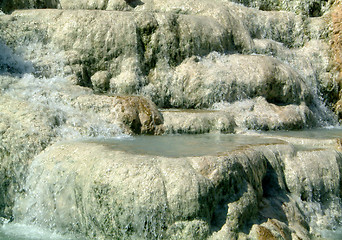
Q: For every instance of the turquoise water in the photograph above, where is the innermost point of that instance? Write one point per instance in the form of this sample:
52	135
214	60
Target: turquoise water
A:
208	144
319	133
184	145
16	231
332	235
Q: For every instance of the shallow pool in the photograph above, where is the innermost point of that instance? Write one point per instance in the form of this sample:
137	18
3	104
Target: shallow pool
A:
319	133
184	145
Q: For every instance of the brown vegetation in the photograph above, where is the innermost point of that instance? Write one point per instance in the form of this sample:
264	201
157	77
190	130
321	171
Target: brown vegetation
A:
336	46
264	234
337	37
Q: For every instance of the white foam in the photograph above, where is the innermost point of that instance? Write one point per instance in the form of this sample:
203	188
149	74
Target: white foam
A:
12	63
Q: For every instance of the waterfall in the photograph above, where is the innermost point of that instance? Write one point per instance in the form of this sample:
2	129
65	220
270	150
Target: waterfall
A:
227	84
54	95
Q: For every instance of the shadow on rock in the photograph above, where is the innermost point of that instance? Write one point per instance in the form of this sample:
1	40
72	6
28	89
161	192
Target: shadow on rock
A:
272	221
134	3
247	205
230	191
273	197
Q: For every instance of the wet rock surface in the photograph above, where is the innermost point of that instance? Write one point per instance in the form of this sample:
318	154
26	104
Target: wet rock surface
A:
139	114
336	46
197	122
23	134
75	71
259	189
161	43
34	118
258	114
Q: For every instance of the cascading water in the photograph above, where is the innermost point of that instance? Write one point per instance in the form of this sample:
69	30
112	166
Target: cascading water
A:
69	168
53	95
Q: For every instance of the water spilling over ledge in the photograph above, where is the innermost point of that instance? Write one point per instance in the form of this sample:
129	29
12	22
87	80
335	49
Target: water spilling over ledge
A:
222	84
134	188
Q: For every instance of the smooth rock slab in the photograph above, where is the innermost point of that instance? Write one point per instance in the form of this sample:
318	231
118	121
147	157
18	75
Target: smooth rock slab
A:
107	193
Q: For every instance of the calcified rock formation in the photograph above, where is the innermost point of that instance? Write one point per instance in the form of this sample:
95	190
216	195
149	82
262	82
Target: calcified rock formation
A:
210	197
34	117
337	46
186	55
97	68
